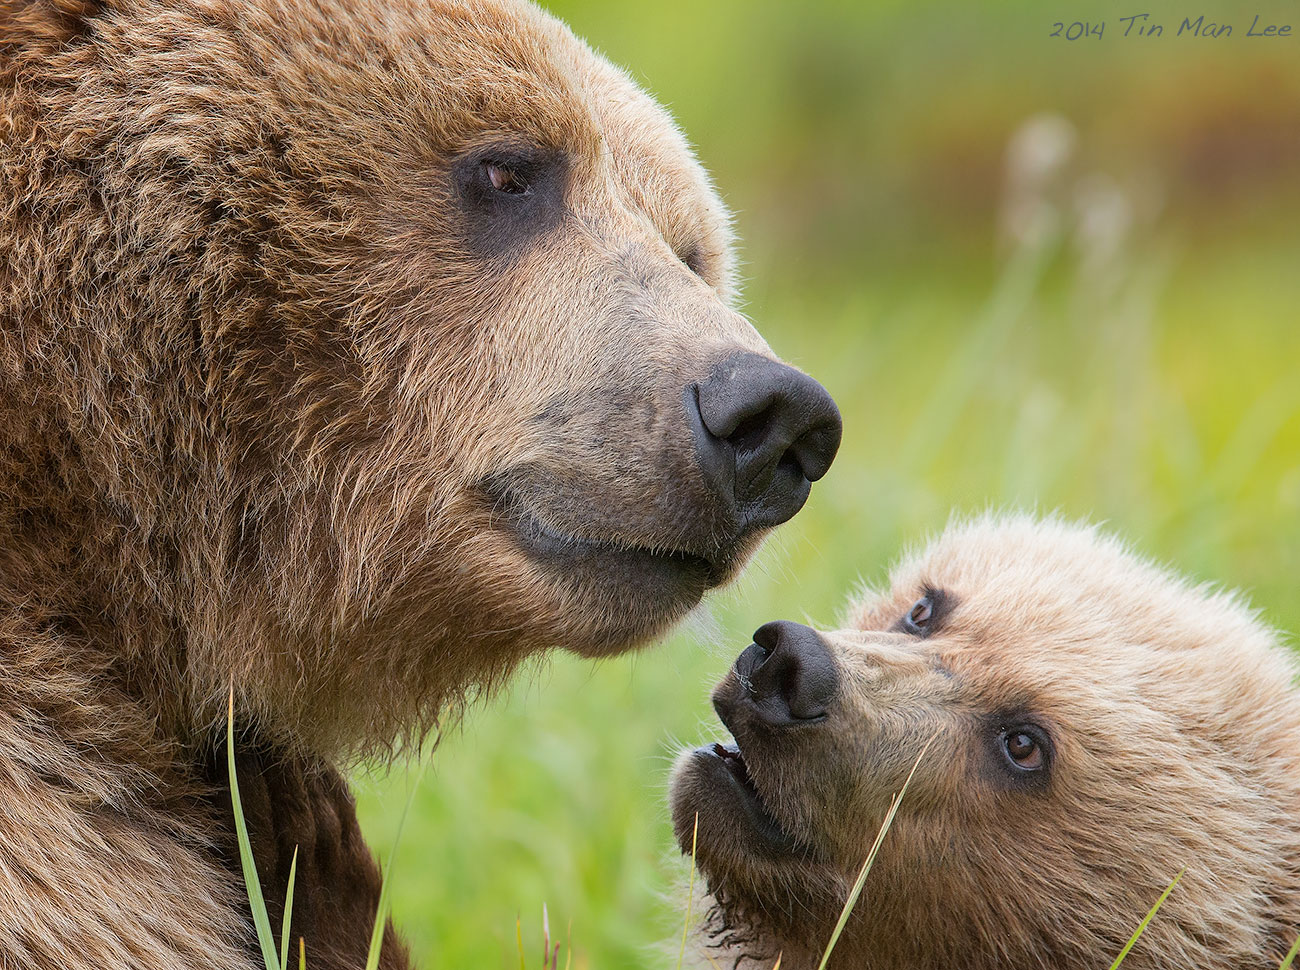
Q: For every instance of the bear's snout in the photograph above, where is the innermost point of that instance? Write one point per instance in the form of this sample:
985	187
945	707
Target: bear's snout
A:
786	677
765	433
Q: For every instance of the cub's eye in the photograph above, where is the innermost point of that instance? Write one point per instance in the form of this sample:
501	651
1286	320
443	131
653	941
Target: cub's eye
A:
1024	749
927	615
919	616
505	179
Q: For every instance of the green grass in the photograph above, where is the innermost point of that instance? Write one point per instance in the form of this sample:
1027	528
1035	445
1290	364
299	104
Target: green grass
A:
253	885
861	147
865	873
1146	921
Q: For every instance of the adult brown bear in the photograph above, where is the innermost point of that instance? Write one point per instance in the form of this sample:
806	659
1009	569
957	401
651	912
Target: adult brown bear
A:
350	351
1091	725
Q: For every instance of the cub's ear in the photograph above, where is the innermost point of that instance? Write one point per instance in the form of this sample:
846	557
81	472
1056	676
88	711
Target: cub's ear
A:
43	25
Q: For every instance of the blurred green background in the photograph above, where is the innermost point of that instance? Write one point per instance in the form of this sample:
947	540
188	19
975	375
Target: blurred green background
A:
1033	272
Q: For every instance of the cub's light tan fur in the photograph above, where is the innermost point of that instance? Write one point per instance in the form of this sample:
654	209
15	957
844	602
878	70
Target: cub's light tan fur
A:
1176	725
252	371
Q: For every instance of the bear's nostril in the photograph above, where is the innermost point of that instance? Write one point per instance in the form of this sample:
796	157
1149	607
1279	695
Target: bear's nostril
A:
790	675
765	432
749	434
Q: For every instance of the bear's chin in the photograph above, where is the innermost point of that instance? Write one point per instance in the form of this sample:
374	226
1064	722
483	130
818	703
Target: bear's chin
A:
630	593
641	621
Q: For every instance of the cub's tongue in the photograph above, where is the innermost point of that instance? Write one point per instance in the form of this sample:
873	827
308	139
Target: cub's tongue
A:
735	762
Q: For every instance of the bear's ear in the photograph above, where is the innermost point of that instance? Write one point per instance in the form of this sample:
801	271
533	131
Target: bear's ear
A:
43	25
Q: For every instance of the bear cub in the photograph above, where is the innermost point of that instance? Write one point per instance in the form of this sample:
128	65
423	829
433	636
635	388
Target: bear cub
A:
1095	726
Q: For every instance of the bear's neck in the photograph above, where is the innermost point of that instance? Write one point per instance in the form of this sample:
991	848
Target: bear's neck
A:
77	563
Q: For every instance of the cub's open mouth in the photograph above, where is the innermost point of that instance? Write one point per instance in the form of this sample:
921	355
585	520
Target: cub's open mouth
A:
608	559
723	769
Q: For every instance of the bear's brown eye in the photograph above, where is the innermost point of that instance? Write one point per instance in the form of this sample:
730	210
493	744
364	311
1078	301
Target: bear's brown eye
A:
1024	750
505	179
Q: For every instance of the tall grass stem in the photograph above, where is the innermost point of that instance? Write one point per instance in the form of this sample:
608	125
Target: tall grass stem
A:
856	891
252	882
1146	920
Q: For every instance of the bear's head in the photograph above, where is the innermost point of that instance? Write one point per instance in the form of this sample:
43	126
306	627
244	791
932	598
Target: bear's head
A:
1083	727
382	342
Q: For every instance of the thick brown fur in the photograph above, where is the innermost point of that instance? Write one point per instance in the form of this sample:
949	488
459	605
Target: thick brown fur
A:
1174	727
261	366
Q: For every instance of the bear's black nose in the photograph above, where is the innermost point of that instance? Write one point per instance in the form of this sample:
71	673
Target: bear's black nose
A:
788	674
766	432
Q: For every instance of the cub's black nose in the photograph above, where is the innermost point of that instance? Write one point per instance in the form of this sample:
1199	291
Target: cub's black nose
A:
766	432
788	674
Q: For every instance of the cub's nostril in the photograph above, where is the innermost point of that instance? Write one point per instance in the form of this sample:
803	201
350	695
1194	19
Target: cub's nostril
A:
768	636
766	432
750	659
789	674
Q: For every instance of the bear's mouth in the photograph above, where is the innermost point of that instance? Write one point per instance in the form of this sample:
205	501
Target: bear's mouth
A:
725	766
606	559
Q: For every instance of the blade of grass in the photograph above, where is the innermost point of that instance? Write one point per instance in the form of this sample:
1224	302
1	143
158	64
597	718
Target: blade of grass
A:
302	954
1291	955
713	962
1146	920
288	912
381	911
252	883
856	891
546	941
519	940
690	893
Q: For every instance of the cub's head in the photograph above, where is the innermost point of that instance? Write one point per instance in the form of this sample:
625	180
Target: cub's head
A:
409	324
1091	726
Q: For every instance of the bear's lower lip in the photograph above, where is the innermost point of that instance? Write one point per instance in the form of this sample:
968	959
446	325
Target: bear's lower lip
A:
606	559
